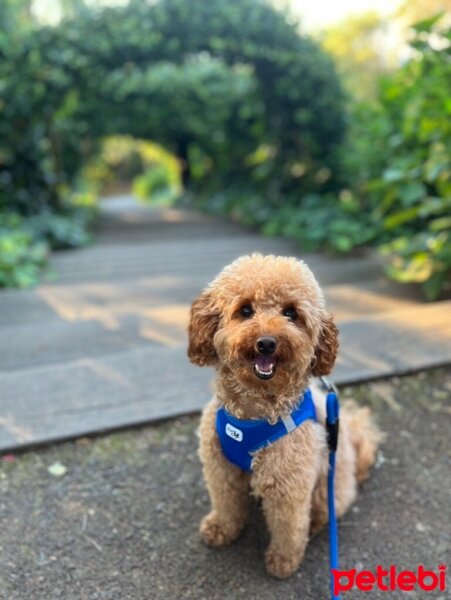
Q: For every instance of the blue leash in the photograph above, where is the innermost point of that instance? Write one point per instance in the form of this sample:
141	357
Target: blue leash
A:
332	427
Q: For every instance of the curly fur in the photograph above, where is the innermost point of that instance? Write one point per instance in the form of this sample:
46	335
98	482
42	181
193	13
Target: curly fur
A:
289	476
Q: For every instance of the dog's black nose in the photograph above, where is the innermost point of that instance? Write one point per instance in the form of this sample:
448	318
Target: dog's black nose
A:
266	344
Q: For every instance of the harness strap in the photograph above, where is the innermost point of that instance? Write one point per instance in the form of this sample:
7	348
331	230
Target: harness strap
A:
241	438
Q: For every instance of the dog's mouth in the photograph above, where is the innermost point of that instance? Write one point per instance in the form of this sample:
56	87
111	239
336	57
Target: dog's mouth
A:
264	366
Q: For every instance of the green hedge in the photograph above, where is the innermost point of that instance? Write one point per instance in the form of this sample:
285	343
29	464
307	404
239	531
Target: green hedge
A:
413	193
212	81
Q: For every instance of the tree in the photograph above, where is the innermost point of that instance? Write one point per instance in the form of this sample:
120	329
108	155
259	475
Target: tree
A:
361	48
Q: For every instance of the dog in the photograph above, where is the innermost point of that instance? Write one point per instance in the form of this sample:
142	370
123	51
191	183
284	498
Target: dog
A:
263	325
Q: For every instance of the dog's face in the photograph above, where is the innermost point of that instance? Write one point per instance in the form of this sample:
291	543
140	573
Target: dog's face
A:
262	322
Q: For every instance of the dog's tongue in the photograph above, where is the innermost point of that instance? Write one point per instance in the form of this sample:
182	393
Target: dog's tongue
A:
264	363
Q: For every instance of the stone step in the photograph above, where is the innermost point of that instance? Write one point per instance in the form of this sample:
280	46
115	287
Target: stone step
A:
81	320
205	258
135	385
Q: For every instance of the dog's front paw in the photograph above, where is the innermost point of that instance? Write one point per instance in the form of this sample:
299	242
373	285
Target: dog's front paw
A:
217	533
281	565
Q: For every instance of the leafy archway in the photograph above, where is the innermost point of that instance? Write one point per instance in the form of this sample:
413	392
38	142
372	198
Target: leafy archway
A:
124	163
230	87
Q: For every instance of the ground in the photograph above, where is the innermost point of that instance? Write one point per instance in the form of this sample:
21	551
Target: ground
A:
121	523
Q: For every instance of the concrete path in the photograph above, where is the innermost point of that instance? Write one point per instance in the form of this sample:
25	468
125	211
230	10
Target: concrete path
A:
103	344
121	523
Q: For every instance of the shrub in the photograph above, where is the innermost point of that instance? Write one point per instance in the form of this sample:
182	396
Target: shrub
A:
21	257
412	196
155	186
398	168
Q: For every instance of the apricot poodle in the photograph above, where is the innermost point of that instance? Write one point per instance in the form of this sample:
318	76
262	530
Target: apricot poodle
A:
262	324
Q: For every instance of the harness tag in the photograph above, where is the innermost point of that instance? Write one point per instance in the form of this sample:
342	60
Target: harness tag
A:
233	432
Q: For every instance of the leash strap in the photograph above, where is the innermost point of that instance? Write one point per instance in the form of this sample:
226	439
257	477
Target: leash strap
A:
332	427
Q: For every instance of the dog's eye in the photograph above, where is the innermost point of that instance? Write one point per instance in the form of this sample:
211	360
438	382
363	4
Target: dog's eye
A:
246	311
290	312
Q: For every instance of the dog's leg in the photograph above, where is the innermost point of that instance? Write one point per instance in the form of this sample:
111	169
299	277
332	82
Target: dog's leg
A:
228	487
286	487
288	522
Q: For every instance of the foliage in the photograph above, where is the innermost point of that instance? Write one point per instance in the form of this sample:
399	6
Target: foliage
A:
412	11
397	153
360	45
230	88
21	257
123	161
212	82
331	222
412	197
155	185
398	166
69	229
25	242
201	110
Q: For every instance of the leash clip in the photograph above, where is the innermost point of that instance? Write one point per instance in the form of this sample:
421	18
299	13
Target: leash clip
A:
332	414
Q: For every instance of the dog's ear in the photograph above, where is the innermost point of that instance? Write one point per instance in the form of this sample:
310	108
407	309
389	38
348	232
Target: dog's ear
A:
204	321
326	349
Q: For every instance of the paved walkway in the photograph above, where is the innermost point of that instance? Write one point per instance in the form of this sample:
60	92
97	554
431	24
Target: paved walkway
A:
103	345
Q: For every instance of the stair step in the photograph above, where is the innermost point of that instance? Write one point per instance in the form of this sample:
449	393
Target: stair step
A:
133	385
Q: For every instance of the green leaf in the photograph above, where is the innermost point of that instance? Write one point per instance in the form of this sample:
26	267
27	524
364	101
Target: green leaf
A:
400	217
426	25
443	223
411	192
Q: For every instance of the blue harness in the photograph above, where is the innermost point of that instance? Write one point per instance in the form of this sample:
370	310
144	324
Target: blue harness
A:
240	438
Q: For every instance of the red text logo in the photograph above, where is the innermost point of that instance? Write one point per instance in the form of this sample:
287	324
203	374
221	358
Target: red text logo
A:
389	579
